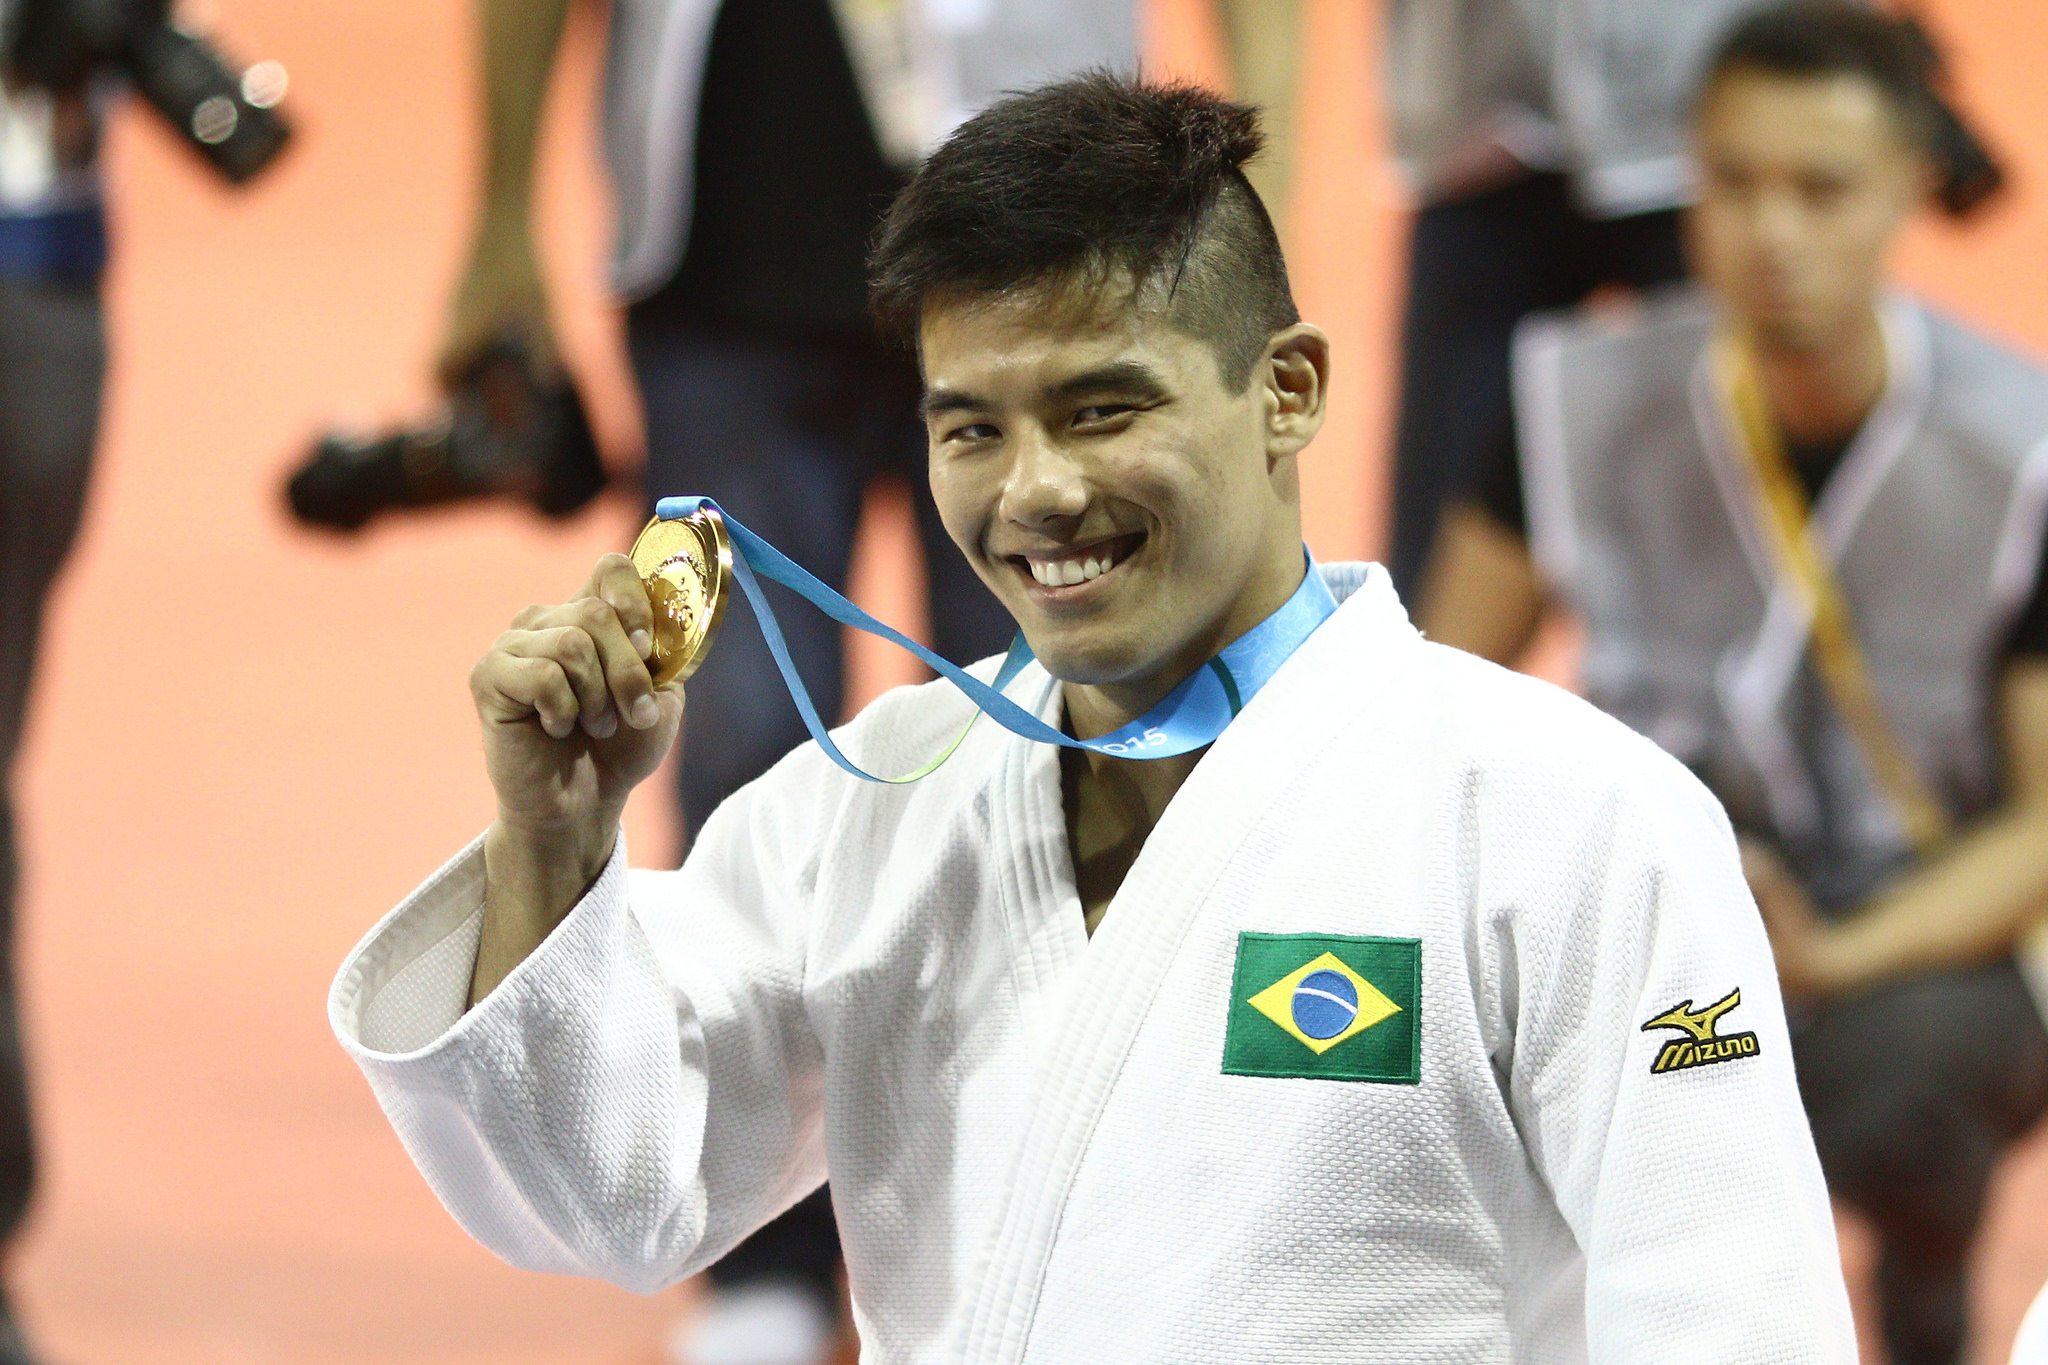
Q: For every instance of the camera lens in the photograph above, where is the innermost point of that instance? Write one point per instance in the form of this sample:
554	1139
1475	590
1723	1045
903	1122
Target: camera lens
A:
264	85
215	120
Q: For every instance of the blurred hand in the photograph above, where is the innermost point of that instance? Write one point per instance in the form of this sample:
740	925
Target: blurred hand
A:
1800	939
501	295
572	721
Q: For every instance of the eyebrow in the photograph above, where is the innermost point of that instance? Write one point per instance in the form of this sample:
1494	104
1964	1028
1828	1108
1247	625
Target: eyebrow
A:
1124	375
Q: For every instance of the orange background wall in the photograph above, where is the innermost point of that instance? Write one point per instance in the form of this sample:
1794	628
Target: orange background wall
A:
249	741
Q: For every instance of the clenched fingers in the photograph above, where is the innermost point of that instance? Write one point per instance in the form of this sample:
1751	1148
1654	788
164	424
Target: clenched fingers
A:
575	654
510	687
589	647
616	583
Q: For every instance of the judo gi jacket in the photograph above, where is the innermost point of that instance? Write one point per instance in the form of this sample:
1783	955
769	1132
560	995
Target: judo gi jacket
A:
1433	1024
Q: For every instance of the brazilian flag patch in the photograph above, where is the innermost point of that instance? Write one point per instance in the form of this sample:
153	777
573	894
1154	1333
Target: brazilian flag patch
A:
1326	1007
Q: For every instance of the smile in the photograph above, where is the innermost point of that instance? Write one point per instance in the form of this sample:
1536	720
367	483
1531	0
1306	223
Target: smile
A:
1070	568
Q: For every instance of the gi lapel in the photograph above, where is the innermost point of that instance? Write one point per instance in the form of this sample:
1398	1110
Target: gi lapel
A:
1111	989
1034	875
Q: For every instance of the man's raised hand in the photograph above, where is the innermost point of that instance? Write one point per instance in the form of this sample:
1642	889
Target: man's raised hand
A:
572	723
571	718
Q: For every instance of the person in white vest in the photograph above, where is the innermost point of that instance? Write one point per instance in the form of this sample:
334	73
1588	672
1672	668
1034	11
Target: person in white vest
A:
1412	1012
751	147
1544	144
1864	684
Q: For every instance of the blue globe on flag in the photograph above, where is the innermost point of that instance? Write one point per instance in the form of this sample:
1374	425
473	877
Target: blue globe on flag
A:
1325	1003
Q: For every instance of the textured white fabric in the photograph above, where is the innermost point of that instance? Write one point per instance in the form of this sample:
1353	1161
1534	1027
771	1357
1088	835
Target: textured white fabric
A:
2031	1346
1034	1153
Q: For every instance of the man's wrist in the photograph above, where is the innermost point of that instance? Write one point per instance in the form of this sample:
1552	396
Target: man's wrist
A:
540	872
532	879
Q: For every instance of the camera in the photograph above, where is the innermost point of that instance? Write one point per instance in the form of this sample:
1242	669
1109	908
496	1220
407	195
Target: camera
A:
512	428
229	118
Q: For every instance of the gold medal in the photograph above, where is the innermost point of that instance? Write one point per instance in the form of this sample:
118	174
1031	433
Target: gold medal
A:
686	565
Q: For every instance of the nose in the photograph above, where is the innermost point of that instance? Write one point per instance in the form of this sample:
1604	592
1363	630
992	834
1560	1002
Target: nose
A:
1780	224
1044	486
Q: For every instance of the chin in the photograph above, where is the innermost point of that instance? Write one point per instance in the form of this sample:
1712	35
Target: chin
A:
1091	662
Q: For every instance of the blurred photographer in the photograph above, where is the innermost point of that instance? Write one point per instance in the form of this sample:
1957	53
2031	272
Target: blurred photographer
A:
61	63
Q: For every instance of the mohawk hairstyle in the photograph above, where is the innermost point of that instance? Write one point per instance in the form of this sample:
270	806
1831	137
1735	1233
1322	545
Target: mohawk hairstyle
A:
1083	180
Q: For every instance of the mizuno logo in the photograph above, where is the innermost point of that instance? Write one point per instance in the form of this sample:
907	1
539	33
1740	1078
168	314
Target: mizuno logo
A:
1702	1047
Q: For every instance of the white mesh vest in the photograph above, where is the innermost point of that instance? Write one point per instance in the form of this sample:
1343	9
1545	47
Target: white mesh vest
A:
1642	513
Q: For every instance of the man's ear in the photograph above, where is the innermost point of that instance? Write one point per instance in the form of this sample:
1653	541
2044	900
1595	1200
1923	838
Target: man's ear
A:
1295	370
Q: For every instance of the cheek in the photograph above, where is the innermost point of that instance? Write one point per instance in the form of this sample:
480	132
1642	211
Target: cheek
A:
964	503
1705	228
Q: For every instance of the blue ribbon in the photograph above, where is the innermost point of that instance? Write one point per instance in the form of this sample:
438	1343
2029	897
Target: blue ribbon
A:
1190	717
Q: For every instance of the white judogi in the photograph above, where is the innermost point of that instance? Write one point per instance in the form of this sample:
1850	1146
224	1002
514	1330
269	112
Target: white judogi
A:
1035	1152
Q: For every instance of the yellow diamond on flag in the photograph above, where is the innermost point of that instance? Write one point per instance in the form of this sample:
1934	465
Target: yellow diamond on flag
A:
1323	1002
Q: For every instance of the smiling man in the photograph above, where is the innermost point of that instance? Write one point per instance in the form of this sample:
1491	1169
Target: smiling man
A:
1417	1013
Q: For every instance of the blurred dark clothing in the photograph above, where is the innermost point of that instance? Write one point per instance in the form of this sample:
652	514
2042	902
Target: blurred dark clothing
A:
52	366
1496	488
786	434
1477	266
801	1245
1914	1090
790	183
53	225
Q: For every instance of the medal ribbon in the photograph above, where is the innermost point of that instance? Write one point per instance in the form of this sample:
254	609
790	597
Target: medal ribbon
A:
1803	559
1190	717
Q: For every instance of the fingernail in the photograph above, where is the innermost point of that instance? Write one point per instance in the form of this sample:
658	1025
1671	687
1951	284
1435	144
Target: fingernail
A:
643	642
605	726
645	712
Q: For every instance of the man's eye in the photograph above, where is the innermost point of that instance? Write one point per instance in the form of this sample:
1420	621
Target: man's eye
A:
974	431
1824	191
1102	412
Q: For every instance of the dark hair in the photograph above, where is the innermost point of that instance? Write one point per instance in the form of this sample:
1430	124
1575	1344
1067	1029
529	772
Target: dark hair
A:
1082	180
1833	37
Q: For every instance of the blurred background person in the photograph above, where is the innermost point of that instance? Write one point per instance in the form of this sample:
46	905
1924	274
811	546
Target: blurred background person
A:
752	146
1262	40
61	62
52	360
1545	143
1864	684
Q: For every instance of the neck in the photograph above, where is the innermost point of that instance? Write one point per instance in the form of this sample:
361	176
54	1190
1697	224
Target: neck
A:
1113	803
1824	392
1095	709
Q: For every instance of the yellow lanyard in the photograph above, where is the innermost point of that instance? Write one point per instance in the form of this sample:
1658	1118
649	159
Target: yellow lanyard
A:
1803	562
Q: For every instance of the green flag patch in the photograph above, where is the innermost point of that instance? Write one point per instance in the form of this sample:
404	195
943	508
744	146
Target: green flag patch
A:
1326	1006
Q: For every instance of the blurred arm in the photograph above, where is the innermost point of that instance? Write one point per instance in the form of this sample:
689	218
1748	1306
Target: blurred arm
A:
1973	902
501	288
1480	591
1264	37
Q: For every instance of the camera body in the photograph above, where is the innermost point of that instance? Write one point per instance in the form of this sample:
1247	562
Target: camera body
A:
228	117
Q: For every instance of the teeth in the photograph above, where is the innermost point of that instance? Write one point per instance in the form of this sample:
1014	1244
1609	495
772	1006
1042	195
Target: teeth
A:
1060	573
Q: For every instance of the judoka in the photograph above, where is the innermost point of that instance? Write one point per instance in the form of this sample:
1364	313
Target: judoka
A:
1422	1016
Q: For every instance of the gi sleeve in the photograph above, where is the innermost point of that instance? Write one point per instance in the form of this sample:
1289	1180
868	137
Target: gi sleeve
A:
640	1093
1652	1079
